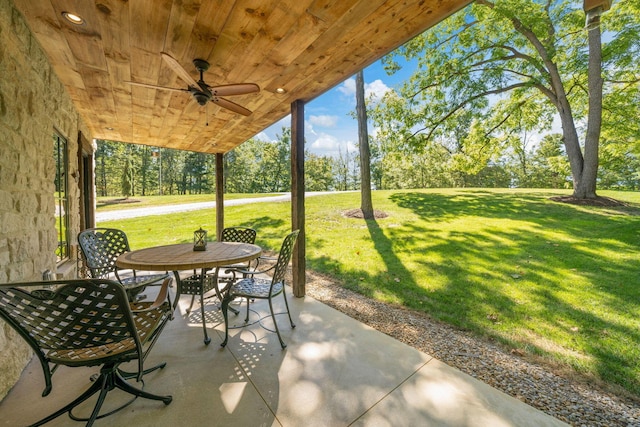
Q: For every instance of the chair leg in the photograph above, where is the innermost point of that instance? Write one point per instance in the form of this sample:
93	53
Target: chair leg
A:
126	375
286	303
275	323
106	387
220	295
193	297
123	385
246	319
109	379
225	314
96	386
207	340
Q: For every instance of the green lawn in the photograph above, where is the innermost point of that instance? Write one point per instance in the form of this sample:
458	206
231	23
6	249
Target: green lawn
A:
556	280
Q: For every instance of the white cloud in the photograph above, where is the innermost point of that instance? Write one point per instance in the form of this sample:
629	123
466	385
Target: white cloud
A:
325	143
374	90
329	145
276	128
308	128
348	87
324	121
263	137
350	147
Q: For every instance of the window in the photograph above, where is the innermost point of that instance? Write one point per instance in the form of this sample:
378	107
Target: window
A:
61	196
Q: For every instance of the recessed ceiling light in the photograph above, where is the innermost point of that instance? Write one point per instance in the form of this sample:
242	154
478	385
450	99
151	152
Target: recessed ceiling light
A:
281	90
73	18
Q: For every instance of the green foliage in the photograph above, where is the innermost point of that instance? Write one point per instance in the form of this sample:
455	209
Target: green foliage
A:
259	167
130	169
318	173
507	67
127	177
274	170
543	277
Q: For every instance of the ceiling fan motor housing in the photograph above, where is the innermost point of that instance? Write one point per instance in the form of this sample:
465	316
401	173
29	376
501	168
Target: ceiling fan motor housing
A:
201	97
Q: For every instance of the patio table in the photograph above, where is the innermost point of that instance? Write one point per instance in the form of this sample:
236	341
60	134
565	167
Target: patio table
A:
181	257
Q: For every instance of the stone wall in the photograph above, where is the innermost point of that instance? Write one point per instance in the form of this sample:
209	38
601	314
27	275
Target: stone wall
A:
33	103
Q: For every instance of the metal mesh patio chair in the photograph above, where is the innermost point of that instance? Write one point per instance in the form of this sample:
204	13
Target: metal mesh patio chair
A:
240	235
101	247
251	287
87	322
201	283
191	285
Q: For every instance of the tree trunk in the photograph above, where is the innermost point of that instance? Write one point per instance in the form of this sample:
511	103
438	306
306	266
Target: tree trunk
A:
366	205
586	188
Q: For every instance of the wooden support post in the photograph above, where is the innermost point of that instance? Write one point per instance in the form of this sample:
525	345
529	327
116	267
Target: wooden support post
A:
589	5
219	195
297	196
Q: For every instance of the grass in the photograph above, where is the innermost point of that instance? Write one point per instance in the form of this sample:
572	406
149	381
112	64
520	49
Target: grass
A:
553	280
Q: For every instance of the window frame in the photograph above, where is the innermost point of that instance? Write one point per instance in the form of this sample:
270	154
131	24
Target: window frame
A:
61	196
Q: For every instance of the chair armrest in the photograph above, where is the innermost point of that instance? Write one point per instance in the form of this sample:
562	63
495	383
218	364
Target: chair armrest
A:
163	296
247	272
265	258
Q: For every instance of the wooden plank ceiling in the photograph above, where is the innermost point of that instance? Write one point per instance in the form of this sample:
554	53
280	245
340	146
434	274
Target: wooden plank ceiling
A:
303	46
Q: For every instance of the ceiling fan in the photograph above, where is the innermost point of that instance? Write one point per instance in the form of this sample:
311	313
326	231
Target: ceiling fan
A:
201	91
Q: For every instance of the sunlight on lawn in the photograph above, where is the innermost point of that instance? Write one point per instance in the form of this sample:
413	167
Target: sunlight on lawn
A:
542	277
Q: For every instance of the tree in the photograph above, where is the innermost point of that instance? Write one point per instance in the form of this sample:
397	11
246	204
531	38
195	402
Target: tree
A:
366	205
274	173
241	167
502	57
549	165
101	169
259	167
342	168
127	177
318	172
172	161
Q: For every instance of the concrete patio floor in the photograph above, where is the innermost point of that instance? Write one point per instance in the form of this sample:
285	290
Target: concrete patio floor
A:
335	371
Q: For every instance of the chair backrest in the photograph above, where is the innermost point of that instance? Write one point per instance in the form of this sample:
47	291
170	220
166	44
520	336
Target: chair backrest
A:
284	257
238	234
101	247
82	322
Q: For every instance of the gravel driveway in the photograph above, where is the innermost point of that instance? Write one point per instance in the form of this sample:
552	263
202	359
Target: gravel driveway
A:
186	207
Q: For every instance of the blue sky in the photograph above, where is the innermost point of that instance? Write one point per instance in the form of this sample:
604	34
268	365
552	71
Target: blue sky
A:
329	128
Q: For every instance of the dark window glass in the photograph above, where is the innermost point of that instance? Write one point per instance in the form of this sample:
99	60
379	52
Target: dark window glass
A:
61	196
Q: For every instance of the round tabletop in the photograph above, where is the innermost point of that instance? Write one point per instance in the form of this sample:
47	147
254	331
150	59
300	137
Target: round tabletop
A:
183	257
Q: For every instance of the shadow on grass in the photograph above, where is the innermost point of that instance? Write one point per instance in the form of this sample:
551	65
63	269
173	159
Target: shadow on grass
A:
574	297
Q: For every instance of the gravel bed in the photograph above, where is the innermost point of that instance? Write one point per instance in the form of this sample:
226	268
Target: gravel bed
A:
569	399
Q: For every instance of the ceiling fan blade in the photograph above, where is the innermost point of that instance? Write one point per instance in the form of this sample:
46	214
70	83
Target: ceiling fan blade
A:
177	68
192	107
225	103
234	89
157	87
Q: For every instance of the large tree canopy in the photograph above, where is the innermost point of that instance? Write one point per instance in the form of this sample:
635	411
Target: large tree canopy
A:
503	67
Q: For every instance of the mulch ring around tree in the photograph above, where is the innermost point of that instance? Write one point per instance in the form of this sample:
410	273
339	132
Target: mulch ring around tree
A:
598	201
357	213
